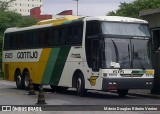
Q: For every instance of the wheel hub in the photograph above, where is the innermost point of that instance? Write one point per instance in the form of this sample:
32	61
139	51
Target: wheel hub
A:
79	84
26	81
19	79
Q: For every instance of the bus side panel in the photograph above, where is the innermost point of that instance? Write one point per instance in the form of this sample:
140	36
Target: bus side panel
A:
35	67
74	62
39	68
56	65
59	65
10	68
50	65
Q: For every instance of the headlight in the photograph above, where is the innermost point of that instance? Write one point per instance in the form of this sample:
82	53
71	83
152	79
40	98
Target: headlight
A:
151	72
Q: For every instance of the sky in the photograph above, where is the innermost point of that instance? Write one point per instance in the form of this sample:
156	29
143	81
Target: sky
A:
85	7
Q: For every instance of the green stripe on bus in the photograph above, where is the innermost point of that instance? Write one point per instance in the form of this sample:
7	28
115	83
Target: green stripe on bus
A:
138	72
50	65
59	65
142	72
135	72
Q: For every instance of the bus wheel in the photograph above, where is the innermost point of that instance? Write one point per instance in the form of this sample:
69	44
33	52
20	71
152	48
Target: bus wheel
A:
81	91
26	80
123	92
18	79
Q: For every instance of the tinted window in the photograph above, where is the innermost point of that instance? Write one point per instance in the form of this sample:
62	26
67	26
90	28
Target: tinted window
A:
92	28
52	36
19	40
28	39
35	38
56	37
75	33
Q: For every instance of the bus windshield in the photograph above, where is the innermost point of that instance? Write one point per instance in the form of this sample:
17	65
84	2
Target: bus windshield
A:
126	53
129	29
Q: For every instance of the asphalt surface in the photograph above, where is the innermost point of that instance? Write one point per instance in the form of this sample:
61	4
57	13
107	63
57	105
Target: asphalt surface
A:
9	95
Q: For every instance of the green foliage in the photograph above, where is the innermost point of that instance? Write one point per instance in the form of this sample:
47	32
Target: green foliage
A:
132	9
11	19
27	21
8	19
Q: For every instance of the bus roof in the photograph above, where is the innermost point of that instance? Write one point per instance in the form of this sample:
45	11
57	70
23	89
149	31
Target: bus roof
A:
115	19
45	23
65	19
58	20
17	29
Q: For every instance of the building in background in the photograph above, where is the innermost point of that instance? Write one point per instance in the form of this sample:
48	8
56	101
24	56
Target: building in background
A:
153	18
33	8
23	6
36	13
66	12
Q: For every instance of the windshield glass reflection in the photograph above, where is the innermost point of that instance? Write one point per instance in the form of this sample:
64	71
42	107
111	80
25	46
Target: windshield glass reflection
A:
126	54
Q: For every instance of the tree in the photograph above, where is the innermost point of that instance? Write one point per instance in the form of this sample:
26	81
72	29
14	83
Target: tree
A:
5	4
132	9
11	19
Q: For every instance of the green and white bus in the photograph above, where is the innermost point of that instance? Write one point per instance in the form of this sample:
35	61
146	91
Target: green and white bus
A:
87	53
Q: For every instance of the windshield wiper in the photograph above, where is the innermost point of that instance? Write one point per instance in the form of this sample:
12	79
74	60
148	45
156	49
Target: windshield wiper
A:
116	51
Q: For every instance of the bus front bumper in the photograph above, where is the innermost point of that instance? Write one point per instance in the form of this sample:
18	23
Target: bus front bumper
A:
126	83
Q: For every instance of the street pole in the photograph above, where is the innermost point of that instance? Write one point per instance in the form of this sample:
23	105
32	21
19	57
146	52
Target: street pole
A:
77	7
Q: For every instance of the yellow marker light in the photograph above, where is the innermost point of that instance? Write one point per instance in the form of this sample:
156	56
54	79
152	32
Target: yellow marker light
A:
149	71
92	80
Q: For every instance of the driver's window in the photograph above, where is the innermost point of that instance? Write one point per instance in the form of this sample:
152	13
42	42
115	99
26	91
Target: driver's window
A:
95	54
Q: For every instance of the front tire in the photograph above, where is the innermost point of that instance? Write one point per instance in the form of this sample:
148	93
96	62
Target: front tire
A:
123	92
18	79
80	85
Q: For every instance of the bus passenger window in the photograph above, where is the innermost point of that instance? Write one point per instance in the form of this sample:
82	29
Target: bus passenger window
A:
48	35
80	34
28	39
35	39
64	35
75	35
19	40
92	28
69	39
56	38
6	41
41	38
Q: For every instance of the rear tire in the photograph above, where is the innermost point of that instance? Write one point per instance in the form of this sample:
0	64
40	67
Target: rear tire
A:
123	92
80	85
26	80
18	79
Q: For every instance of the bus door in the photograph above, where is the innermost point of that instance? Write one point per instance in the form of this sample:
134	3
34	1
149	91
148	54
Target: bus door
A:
95	54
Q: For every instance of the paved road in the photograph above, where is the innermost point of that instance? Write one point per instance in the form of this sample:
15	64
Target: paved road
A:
9	95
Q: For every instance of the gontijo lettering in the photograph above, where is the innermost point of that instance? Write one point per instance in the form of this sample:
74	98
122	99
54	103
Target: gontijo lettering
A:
22	55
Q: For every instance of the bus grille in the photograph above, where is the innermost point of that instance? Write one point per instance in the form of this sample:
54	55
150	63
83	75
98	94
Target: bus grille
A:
131	75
